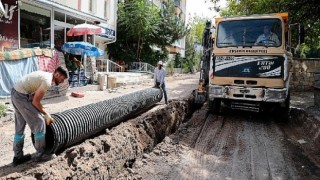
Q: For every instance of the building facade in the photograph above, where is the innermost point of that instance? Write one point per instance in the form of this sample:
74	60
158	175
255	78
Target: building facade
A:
45	23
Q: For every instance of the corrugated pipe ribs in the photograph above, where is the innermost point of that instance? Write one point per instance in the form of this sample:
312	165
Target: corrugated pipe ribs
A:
75	125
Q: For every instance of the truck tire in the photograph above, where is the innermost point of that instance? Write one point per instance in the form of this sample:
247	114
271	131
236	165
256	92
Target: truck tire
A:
286	109
284	112
214	106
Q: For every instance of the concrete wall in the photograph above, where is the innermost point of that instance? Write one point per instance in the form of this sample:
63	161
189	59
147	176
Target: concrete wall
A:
303	72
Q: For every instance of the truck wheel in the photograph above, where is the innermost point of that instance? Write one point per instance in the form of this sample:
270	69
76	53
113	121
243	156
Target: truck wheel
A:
214	106
285	111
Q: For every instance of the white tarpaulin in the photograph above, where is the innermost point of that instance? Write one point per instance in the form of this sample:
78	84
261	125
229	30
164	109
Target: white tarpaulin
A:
12	71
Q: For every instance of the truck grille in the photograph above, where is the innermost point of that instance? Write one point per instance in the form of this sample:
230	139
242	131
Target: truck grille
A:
246	106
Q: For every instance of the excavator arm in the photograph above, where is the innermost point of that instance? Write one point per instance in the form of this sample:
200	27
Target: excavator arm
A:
207	44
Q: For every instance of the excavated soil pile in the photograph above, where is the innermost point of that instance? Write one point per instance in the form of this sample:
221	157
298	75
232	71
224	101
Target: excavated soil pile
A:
304	130
110	153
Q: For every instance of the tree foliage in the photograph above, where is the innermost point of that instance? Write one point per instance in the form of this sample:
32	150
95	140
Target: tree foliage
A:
143	26
171	26
193	39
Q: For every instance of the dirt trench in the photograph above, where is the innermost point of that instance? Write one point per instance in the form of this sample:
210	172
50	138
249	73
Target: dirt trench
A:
113	151
235	145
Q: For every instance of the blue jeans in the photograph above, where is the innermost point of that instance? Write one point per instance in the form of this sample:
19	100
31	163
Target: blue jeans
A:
163	87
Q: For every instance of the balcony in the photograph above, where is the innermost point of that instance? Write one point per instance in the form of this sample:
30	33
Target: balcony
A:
174	50
178	10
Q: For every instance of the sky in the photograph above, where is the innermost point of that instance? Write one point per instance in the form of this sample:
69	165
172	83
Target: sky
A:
201	8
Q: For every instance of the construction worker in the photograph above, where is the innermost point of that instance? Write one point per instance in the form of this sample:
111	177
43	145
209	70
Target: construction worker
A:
159	74
26	96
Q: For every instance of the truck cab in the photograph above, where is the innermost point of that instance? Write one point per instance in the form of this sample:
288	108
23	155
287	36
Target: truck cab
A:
250	63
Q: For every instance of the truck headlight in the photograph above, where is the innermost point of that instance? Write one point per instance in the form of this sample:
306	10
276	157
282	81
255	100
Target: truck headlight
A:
276	94
216	91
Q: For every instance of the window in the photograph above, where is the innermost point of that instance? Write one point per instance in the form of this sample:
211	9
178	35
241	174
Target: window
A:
59	16
106	9
90	5
35	26
74	20
58	36
253	32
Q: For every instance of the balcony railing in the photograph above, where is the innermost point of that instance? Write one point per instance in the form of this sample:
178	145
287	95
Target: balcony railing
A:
174	50
140	67
106	65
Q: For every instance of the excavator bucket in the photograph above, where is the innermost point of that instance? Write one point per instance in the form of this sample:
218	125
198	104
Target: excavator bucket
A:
200	98
200	94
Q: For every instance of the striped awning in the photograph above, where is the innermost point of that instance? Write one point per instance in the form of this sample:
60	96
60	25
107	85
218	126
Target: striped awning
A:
25	53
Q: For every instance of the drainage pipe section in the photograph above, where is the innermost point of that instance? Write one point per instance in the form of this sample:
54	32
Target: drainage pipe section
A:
75	125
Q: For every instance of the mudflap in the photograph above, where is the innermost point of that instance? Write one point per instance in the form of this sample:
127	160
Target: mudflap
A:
199	97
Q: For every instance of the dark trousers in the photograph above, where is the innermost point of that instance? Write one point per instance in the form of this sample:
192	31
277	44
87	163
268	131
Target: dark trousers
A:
26	113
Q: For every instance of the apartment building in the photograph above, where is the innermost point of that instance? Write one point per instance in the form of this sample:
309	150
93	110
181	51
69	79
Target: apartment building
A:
179	45
44	23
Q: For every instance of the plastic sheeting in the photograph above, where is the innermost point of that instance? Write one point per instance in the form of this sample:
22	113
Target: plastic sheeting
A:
12	71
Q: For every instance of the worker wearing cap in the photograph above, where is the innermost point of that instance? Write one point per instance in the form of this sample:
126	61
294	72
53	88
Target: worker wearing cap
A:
159	74
26	96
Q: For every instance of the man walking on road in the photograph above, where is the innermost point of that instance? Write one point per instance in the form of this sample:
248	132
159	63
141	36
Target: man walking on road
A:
26	96
159	74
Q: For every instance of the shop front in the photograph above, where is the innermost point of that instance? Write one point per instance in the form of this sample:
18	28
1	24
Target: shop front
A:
44	24
32	33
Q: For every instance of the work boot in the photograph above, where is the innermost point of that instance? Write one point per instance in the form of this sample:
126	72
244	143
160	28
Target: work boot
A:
44	157
19	160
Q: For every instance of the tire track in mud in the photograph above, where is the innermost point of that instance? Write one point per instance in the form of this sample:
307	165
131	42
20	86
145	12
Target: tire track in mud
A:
223	145
201	129
208	148
238	146
204	144
266	150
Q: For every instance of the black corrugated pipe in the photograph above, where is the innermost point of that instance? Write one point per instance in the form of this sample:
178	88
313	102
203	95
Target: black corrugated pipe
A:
75	125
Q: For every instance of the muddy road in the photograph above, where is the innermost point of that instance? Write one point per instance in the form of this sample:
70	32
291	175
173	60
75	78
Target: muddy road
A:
234	145
181	141
167	142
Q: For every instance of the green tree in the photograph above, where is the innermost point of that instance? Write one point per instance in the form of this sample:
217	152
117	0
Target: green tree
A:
143	26
137	22
171	27
177	60
193	38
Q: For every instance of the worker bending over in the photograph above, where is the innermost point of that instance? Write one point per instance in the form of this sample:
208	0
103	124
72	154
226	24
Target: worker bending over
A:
26	96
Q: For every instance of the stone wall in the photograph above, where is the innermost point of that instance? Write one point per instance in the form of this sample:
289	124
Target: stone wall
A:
303	74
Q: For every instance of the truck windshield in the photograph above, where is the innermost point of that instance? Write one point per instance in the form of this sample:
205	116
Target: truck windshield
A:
248	33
